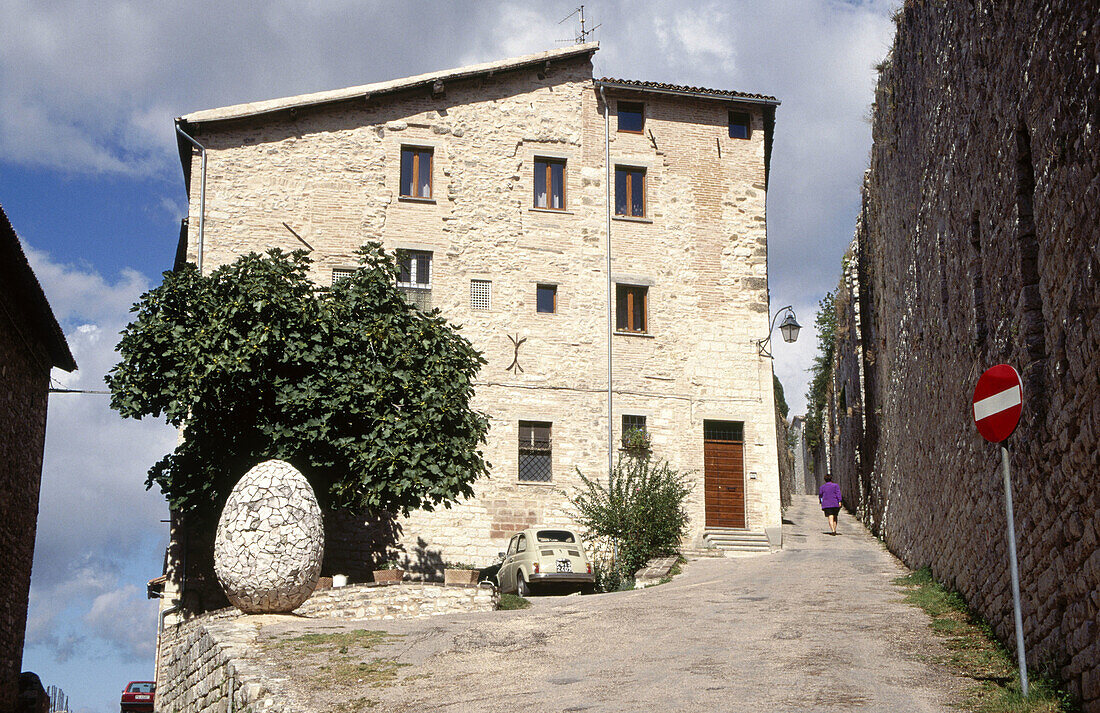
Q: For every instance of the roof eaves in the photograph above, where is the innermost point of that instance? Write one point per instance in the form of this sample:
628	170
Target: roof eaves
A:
32	297
679	90
240	111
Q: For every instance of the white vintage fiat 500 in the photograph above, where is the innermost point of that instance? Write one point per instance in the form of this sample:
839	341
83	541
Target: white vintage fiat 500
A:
543	555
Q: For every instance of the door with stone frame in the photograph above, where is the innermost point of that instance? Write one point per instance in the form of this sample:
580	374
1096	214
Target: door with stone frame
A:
724	473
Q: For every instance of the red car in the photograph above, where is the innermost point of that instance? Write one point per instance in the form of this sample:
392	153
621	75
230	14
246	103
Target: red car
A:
138	696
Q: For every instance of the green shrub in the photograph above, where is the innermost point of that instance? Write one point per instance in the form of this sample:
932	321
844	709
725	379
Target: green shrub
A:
640	511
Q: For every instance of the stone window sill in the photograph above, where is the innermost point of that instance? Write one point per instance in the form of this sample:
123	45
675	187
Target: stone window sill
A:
644	335
537	483
414	199
555	211
631	219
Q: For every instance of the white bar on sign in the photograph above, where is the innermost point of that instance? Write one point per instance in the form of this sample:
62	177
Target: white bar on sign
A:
996	403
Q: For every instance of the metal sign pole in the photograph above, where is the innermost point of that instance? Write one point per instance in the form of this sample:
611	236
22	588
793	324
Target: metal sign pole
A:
1015	572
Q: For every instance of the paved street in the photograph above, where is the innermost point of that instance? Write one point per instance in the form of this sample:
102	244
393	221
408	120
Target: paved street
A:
816	627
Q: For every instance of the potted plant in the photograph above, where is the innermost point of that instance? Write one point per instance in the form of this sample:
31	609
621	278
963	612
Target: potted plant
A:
460	573
637	443
390	571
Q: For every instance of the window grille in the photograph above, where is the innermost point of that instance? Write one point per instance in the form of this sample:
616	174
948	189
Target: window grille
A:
481	294
421	299
341	273
414	277
633	423
535	458
724	431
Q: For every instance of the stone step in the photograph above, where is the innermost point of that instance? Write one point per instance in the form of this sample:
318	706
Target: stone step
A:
695	552
727	539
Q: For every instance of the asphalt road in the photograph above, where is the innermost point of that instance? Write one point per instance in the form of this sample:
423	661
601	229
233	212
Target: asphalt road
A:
816	627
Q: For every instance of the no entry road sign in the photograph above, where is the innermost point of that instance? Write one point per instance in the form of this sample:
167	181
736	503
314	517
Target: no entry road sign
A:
998	401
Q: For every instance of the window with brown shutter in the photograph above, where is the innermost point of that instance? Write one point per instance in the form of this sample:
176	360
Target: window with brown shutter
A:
631	307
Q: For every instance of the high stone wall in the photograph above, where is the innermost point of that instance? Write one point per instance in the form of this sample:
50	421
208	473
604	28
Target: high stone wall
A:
978	244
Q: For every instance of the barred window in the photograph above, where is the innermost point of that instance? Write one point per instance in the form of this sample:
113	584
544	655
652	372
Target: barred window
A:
534	451
341	273
724	431
633	423
481	294
414	277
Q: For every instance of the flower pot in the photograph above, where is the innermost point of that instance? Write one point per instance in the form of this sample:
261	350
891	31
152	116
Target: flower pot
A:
388	575
460	576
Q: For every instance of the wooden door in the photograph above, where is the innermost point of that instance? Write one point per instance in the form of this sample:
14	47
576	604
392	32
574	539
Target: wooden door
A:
724	473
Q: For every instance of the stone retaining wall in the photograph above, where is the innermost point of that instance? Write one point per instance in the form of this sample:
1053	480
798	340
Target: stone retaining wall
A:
205	659
977	244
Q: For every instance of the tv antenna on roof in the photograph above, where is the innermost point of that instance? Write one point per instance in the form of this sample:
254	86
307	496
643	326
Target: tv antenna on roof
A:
582	36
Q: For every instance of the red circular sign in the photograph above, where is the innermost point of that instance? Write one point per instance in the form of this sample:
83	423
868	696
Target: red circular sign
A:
997	403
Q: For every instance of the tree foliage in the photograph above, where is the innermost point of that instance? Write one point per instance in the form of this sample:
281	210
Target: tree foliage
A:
640	509
780	397
821	371
366	395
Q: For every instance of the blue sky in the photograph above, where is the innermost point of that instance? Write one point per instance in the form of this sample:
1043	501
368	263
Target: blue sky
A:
90	178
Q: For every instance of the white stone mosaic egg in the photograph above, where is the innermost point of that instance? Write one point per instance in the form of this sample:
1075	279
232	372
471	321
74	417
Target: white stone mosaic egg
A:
270	540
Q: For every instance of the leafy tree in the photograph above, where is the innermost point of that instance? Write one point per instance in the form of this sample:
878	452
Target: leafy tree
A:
366	395
640	509
822	369
780	396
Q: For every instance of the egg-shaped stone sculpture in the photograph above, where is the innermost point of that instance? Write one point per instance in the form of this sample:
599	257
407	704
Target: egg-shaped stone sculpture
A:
270	540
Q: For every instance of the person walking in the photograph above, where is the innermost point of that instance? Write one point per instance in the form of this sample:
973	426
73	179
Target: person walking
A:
830	499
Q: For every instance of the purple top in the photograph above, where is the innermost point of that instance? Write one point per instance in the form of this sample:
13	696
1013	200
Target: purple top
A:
829	495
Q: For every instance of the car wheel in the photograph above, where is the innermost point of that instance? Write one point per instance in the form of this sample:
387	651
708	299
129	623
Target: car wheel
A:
522	588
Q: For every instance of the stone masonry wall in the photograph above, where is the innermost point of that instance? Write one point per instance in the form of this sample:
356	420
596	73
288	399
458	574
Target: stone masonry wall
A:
24	378
978	244
207	659
332	175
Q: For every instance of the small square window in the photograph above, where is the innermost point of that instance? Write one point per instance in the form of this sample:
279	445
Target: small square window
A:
549	184
630	191
341	273
481	294
535	457
416	172
631	116
631	305
546	299
740	125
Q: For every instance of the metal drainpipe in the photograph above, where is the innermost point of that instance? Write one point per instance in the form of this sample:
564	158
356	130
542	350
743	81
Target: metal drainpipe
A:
610	295
202	192
160	633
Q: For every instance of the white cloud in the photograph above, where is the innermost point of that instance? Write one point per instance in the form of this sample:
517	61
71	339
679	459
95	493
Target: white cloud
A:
95	515
125	619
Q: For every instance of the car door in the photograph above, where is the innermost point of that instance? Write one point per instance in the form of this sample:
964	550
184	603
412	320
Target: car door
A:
506	578
519	559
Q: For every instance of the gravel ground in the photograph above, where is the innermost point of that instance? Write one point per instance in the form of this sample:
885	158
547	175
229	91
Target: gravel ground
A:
818	626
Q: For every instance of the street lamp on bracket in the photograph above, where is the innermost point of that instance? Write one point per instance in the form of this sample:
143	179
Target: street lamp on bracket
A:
788	328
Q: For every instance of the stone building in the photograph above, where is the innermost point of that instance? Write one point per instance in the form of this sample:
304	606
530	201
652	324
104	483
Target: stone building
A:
977	245
31	343
492	183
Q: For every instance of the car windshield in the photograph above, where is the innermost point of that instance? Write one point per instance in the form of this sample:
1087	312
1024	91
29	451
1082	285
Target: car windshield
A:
556	536
140	687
